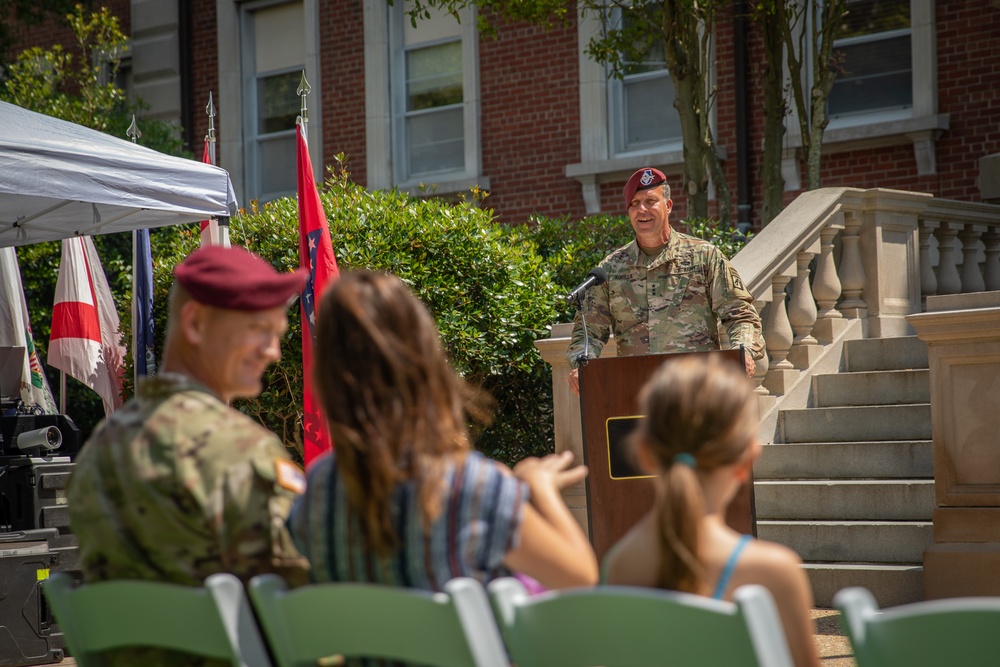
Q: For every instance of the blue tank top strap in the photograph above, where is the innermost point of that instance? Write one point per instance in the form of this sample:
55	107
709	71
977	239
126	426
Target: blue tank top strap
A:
727	571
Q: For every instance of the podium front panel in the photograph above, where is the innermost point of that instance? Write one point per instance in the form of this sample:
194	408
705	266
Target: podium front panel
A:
618	494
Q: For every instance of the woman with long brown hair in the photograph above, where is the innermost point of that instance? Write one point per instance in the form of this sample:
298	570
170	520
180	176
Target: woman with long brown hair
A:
403	499
699	434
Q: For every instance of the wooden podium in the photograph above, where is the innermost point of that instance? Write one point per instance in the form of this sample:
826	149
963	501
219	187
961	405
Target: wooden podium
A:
618	494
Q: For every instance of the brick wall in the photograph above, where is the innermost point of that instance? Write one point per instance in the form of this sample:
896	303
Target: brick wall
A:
530	108
55	30
204	75
342	39
529	83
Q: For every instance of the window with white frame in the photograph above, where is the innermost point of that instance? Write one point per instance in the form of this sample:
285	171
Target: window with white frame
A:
642	102
273	60
873	50
429	96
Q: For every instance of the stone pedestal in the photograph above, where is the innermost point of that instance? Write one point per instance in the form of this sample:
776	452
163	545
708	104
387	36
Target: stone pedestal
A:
566	411
963	336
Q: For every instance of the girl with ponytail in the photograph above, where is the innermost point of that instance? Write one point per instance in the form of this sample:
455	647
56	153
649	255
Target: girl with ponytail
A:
699	435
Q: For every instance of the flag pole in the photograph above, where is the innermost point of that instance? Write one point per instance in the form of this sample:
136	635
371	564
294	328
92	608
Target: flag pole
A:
221	231
303	91
133	133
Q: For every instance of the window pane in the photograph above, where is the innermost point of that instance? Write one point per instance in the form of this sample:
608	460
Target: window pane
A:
277	103
865	17
436	141
652	48
434	76
277	166
877	75
650	116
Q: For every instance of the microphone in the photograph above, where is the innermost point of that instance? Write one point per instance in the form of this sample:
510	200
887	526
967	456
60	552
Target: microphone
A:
597	276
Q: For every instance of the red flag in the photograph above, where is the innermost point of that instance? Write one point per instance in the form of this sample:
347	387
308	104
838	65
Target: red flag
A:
85	340
315	253
209	228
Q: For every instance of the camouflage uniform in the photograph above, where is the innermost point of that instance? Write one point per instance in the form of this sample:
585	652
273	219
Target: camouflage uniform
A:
674	302
176	486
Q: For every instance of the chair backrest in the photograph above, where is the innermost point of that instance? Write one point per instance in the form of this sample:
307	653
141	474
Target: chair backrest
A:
214	621
451	629
957	631
628	626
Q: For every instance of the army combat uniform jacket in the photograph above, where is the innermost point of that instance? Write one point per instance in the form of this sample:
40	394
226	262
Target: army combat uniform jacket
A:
673	302
175	486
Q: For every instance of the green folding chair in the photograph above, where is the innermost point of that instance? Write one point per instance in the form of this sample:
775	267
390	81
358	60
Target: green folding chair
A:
450	629
624	626
957	631
214	621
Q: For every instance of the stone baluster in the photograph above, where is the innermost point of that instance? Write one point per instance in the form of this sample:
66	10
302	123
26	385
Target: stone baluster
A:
991	271
826	285
972	274
801	305
928	281
852	268
948	280
779	336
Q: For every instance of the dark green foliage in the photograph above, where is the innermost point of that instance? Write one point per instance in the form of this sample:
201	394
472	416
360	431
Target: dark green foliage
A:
491	297
76	83
723	237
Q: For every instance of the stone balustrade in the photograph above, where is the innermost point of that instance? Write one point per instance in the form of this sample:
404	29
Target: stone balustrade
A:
837	263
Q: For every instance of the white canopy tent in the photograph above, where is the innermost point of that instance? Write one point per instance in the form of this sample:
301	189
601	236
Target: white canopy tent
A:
59	179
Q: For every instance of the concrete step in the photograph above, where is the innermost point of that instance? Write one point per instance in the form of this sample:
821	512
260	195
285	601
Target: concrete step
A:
901	459
857	424
891	585
840	500
851	541
872	388
885	354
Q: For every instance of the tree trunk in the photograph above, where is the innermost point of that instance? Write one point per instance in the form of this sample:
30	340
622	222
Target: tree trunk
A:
775	109
686	34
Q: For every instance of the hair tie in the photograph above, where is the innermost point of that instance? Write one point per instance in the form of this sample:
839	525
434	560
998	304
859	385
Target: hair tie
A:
685	459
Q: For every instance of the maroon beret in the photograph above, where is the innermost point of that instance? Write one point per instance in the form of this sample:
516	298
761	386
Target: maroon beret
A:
644	179
235	279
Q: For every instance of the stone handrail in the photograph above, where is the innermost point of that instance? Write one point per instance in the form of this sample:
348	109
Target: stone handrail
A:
895	248
874	256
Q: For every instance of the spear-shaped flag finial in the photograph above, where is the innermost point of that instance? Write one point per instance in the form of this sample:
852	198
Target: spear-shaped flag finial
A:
303	91
210	137
133	131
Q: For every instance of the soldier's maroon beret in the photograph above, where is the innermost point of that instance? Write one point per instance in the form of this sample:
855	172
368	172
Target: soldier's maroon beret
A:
644	179
235	279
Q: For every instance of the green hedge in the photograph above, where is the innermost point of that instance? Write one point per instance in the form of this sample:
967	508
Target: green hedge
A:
487	288
493	290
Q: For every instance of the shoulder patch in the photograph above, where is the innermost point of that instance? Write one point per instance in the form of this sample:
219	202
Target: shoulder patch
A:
735	279
289	476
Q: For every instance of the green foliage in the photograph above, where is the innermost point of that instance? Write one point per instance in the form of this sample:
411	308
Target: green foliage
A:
79	86
722	236
21	13
491	299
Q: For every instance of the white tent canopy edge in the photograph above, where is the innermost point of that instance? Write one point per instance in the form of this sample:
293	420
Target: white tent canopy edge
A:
59	180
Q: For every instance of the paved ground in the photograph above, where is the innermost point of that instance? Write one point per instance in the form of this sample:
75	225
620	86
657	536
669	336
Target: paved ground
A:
833	647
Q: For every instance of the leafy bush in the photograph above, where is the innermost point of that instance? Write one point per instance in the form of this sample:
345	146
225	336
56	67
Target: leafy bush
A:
571	248
79	85
491	299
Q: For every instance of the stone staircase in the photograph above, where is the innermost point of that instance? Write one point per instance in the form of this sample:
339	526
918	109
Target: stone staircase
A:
849	484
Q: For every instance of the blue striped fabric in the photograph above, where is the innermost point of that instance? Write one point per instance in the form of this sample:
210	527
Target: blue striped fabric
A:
480	521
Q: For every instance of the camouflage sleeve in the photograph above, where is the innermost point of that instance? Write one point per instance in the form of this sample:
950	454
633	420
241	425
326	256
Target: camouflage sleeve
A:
598	315
733	306
257	497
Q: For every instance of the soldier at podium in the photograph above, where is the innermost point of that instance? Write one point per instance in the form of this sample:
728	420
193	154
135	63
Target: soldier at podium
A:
665	291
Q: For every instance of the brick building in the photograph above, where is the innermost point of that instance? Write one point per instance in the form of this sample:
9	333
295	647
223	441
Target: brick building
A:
530	118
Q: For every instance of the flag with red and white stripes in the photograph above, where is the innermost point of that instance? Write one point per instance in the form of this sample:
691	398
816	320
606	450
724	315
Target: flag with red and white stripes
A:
85	340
